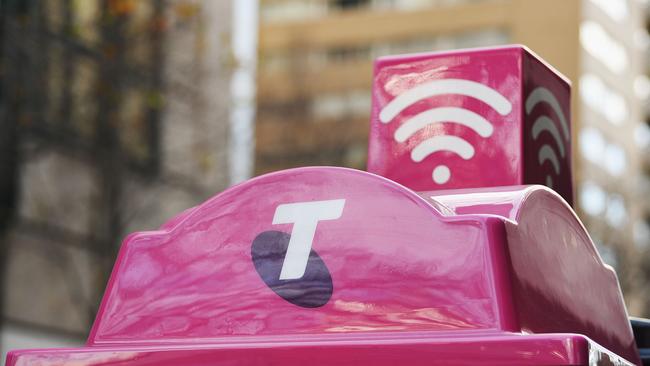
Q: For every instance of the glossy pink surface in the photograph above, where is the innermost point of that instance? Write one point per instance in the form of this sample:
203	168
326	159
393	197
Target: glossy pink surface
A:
556	271
466	277
438	119
388	256
486	349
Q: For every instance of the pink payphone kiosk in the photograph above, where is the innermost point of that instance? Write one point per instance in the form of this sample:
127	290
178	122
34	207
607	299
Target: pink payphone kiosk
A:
445	253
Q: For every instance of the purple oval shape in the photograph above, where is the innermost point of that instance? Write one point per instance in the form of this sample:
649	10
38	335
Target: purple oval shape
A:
314	289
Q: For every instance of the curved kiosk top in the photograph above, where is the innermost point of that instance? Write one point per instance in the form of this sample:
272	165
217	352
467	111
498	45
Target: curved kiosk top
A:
336	266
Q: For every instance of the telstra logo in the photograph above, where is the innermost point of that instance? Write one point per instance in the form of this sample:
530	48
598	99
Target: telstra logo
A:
287	263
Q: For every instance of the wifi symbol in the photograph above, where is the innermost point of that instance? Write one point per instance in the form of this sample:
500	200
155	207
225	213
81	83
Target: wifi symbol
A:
545	123
441	173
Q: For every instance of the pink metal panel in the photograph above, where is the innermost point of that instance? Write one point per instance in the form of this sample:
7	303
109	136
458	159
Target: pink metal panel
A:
547	132
483	349
559	281
470	118
385	264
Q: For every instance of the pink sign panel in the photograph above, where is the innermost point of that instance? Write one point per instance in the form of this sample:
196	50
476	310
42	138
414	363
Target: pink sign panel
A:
305	251
471	118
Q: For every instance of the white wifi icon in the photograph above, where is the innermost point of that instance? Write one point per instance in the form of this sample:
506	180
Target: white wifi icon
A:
441	174
545	123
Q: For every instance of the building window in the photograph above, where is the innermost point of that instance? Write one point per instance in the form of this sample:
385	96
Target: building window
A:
293	10
642	135
641	235
603	47
616	215
593	199
615	161
77	80
603	99
642	87
349	4
595	149
615	9
592	144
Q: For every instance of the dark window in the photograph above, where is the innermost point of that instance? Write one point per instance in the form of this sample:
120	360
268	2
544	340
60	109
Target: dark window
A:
349	4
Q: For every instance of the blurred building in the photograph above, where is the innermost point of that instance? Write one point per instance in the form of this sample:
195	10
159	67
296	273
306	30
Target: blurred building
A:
610	91
115	117
315	71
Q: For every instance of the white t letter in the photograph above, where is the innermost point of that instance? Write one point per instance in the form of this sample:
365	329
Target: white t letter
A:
304	216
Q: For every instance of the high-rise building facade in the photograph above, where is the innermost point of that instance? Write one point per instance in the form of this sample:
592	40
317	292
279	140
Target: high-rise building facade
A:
611	92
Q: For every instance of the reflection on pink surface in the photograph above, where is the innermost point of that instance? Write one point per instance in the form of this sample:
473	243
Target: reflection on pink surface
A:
387	252
480	349
479	276
559	280
471	118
